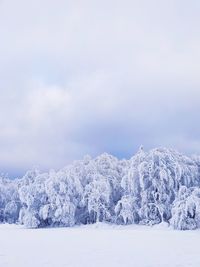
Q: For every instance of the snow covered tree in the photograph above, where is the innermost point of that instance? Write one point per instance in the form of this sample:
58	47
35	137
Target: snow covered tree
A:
152	187
161	175
32	196
97	196
186	209
9	201
64	191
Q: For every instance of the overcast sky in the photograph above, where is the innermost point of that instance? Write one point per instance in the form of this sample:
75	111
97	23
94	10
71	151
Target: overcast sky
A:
84	77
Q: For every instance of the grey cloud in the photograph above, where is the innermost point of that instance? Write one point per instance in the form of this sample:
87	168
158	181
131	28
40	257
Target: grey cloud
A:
86	77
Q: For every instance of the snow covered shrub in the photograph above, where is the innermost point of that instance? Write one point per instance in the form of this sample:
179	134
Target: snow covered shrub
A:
150	214
28	218
125	211
186	209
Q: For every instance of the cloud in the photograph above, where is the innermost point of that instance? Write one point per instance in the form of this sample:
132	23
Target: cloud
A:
86	77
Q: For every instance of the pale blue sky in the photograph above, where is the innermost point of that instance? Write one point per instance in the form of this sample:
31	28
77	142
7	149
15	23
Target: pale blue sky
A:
84	77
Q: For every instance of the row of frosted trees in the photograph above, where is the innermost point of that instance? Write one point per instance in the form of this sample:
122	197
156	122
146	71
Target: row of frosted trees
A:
152	187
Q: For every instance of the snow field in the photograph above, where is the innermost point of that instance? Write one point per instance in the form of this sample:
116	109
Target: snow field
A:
99	245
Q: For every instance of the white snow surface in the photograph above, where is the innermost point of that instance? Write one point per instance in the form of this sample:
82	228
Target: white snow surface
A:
99	245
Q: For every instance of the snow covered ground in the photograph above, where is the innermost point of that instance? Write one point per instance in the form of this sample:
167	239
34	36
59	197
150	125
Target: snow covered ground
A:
99	245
